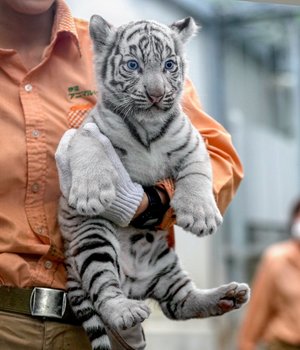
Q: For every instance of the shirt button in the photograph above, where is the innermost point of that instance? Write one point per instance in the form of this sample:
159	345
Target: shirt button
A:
48	264
40	230
35	133
28	87
35	187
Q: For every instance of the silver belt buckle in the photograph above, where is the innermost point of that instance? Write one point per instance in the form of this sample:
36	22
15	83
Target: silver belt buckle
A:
47	302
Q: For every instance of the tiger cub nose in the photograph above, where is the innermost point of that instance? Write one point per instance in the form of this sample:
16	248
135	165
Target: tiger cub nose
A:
154	98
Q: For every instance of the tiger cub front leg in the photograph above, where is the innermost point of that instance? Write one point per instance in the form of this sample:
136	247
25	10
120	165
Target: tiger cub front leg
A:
93	175
193	202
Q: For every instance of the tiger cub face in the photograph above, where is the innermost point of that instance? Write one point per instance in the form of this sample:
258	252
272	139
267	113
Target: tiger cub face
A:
140	66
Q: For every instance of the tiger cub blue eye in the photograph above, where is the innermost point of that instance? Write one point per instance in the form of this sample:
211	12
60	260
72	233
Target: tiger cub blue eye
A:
132	65
169	65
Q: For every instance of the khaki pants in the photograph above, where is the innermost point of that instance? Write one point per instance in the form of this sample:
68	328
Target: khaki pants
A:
278	345
19	332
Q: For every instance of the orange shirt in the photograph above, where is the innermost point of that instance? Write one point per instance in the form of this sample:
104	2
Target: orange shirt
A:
274	309
36	108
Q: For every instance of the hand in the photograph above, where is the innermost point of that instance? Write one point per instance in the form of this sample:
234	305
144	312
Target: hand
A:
85	172
63	162
128	195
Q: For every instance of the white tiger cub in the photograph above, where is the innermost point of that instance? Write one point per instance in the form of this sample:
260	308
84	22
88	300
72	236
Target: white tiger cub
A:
140	70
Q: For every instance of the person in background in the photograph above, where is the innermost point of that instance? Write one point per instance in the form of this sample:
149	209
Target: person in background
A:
273	314
47	86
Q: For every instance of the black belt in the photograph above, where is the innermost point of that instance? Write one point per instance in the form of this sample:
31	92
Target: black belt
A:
44	303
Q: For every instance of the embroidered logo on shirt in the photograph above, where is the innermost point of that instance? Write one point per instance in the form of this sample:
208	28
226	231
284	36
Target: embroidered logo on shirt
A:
76	92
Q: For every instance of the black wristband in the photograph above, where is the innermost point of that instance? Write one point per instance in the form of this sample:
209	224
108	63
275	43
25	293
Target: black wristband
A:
154	213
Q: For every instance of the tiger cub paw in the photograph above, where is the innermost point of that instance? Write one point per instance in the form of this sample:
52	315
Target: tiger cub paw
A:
122	313
200	216
216	301
226	298
236	295
233	296
90	195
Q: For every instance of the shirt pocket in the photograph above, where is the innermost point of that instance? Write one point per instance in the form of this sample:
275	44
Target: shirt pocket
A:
77	114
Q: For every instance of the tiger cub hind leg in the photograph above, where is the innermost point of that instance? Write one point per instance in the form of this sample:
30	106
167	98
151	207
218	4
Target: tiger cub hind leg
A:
179	299
123	313
210	302
118	313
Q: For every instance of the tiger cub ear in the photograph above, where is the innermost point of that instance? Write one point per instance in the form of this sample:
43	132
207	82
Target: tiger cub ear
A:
101	32
185	28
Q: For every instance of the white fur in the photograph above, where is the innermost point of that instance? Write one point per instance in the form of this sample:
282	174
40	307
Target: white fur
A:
113	267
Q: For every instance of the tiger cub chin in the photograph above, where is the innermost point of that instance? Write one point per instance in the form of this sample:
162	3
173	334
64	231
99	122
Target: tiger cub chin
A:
140	69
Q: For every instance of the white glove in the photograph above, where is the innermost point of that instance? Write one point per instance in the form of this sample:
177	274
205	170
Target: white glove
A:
128	194
63	162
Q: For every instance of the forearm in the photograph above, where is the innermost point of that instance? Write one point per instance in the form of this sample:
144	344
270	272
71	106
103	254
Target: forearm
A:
142	207
144	203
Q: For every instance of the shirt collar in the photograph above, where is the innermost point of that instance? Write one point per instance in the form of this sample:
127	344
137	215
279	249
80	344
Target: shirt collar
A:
64	23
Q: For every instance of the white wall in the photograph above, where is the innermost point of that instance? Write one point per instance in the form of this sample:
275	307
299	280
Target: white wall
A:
269	156
114	11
